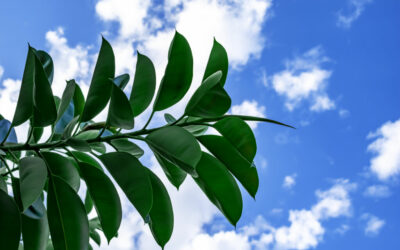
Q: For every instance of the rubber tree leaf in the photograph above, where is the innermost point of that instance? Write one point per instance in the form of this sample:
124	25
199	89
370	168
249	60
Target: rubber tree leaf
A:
69	129
239	134
178	74
218	60
80	145
69	226
35	232
98	146
210	100
124	145
44	107
144	85
239	166
65	119
161	216
47	64
24	107
4	127
220	187
79	100
105	198
121	81
100	86
176	145
83	157
133	179
120	112
169	118
88	202
63	167
174	174
10	231
36	210
33	175
3	184
66	99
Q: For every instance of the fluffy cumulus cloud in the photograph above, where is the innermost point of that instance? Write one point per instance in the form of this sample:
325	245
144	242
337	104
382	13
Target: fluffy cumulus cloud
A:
289	181
373	224
355	9
304	78
377	191
386	160
251	108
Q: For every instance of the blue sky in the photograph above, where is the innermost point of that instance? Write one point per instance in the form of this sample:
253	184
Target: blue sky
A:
330	68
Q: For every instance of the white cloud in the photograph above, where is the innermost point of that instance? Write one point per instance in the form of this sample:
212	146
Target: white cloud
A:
386	162
250	108
289	181
1	71
343	113
342	229
304	79
377	191
356	9
373	225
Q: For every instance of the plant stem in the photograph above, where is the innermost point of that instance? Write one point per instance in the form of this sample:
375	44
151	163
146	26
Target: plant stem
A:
148	121
5	138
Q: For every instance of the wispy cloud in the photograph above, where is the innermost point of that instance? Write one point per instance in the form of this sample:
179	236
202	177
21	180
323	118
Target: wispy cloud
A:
377	191
289	181
355	9
373	224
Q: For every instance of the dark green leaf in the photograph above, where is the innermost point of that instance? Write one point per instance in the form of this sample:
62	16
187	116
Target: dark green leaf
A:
120	112
10	221
161	217
47	64
144	85
35	232
176	145
121	81
174	174
65	119
239	166
80	145
88	202
178	74
87	135
33	175
44	108
69	129
100	87
105	198
124	145
218	60
132	177
36	210
83	157
3	184
239	134
220	187
63	167
79	100
210	100
4	127
69	227
99	147
95	236
24	107
66	98
169	118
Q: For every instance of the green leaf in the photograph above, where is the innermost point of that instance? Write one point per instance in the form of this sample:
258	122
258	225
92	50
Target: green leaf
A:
121	81
35	232
69	226
174	174
133	179
88	202
3	184
80	145
220	187
99	147
33	175
124	145
87	135
66	98
239	134
178	74
83	157
176	145
120	112
79	100
63	167
47	64
100	87
10	221
95	236
218	60
169	118
44	107
239	166
161	216
210	100
69	129
105	198
24	107
144	85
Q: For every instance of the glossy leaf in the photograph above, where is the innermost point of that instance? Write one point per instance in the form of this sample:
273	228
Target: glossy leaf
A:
63	167
83	157
218	61
121	81
80	145
79	100
144	85
100	86
239	134
65	119
3	184
161	216
44	108
220	187
10	221
169	118
47	64
242	169
98	146
105	198
120	112
4	127
33	175
69	226
66	98
88	202
210	100
24	107
69	129
35	232
178	74
174	174
133	179
176	145
124	145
